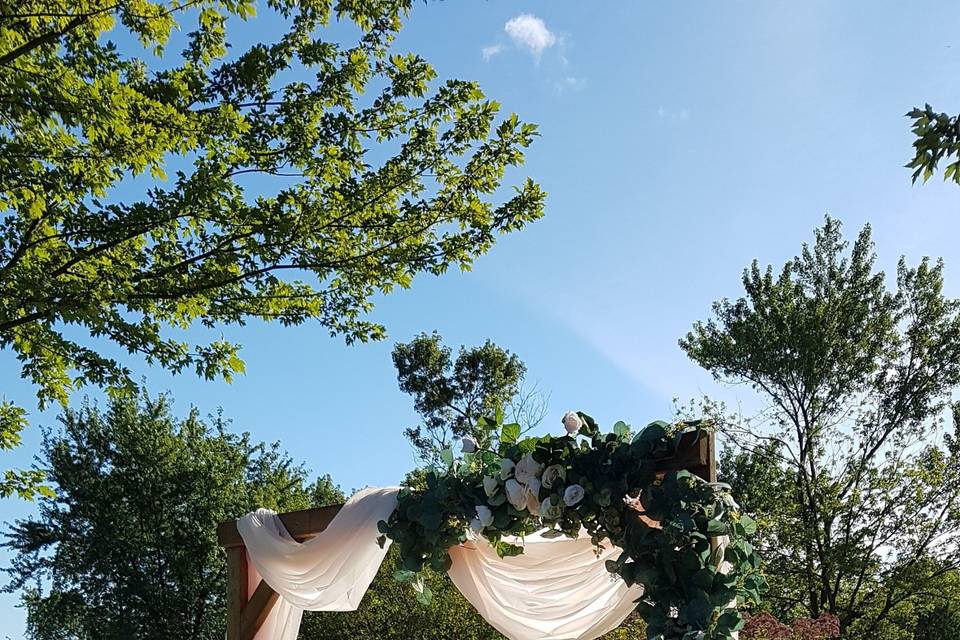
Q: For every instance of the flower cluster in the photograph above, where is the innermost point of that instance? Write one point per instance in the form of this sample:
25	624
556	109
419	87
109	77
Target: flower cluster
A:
765	626
523	483
611	485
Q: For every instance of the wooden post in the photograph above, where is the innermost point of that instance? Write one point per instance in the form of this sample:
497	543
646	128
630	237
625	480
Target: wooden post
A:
237	579
247	612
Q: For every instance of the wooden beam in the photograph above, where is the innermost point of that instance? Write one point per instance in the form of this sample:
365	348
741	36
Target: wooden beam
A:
255	613
695	453
302	525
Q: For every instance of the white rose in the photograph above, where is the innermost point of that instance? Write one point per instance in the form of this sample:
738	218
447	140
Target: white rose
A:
476	526
552	474
484	515
506	468
490	485
550	511
534	487
516	494
528	469
573	495
468	444
633	503
572	422
724	489
533	502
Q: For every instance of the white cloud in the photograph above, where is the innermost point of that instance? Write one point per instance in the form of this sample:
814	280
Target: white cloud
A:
492	50
570	83
529	31
673	116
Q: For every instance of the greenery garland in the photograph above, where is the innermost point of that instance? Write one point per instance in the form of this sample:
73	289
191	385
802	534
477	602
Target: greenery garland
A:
668	527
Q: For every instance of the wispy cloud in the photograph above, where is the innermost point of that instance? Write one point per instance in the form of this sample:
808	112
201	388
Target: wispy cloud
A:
531	33
492	50
673	116
570	83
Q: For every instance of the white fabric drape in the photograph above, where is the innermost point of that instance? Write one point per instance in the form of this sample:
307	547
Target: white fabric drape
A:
329	572
556	590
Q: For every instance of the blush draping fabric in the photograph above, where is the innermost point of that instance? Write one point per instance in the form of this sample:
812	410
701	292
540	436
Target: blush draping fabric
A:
558	589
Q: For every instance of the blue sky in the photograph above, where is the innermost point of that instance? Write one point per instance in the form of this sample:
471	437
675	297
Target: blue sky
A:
679	142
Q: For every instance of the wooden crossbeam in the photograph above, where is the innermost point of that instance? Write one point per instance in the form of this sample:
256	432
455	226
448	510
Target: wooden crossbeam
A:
246	613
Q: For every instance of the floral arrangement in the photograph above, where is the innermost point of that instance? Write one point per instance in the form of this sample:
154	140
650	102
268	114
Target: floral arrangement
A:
668	525
765	626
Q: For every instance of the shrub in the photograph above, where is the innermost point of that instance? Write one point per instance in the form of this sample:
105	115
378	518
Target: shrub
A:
766	627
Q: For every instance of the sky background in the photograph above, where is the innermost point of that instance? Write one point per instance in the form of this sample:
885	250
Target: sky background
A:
679	142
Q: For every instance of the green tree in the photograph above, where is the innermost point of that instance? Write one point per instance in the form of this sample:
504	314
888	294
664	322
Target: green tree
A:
937	139
144	191
938	616
452	394
857	379
390	611
128	547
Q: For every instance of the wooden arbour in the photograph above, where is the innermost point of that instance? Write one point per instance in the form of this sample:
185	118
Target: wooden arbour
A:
246	612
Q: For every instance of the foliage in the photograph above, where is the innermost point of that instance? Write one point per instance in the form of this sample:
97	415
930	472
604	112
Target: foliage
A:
389	611
451	395
144	191
767	627
128	547
939	614
606	484
859	504
937	139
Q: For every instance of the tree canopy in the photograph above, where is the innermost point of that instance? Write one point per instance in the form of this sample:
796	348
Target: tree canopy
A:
452	394
852	473
128	547
155	175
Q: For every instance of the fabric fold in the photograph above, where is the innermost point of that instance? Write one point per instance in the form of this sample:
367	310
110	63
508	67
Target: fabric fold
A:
557	589
329	572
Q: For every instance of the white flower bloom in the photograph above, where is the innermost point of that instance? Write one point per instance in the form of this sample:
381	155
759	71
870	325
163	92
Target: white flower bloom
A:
484	515
572	422
516	494
490	485
730	502
468	444
550	511
573	495
553	474
633	503
533	502
534	486
528	469
506	468
476	526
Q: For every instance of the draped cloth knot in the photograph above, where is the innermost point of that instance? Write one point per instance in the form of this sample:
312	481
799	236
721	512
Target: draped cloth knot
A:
557	589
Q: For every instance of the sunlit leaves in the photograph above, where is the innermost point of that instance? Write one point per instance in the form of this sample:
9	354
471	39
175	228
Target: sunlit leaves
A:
937	140
263	190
